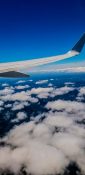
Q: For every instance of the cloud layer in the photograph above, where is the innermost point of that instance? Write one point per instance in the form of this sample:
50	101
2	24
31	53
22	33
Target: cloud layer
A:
51	140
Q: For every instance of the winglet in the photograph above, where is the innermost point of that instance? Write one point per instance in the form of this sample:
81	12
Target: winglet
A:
79	45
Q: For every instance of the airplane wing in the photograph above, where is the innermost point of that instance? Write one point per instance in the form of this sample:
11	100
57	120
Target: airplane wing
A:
14	69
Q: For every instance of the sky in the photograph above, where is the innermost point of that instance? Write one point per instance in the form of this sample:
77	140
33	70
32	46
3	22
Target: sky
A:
39	28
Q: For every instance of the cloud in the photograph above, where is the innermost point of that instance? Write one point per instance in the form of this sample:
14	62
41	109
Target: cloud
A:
50	85
22	87
1	103
49	146
18	96
20	81
19	105
8	105
7	90
50	141
30	80
51	79
58	119
38	157
5	84
20	116
77	68
61	91
69	83
68	106
50	91
81	92
41	92
9	93
72	146
71	69
41	82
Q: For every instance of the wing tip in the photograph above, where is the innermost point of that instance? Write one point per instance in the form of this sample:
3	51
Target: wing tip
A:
80	44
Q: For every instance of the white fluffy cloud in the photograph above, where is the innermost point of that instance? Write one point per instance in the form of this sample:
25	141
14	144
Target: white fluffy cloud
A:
5	84
19	96
22	87
9	94
41	81
61	91
81	94
82	91
45	147
68	106
58	119
7	90
41	92
21	115
50	141
19	105
8	105
38	156
50	91
20	82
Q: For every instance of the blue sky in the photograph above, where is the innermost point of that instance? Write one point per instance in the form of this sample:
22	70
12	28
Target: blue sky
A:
38	28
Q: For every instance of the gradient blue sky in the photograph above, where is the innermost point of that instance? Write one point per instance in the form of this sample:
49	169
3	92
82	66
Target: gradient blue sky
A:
38	28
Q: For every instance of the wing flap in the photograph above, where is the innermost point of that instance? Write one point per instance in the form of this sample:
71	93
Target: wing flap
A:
13	74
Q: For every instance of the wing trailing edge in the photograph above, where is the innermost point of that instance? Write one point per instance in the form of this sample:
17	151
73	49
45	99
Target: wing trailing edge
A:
13	74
